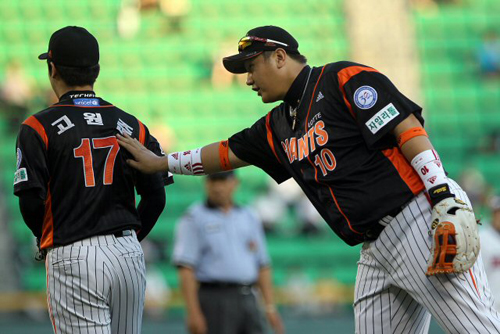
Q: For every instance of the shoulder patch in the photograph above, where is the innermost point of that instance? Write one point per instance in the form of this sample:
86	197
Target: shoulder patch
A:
380	119
20	176
365	97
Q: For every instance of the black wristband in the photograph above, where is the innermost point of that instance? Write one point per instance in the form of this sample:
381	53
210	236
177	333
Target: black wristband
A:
439	192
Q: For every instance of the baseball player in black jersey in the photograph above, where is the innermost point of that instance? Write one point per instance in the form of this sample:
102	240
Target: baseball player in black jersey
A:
76	194
358	149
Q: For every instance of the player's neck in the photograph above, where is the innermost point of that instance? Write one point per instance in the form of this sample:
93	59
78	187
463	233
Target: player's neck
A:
62	89
293	73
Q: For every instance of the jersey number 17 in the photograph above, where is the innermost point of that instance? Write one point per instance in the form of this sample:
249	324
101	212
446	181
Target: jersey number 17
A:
85	153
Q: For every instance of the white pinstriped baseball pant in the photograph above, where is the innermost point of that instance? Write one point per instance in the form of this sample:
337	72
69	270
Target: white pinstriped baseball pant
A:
393	294
97	285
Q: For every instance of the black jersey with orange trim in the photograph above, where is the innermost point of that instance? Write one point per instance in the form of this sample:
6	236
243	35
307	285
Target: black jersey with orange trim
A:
341	152
69	153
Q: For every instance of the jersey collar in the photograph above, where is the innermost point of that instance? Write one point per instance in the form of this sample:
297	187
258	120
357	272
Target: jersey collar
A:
294	94
77	94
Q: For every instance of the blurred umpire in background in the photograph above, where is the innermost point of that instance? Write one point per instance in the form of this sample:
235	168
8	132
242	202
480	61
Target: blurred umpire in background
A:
221	256
76	194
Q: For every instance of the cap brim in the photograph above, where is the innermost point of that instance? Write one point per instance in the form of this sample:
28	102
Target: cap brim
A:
236	63
44	56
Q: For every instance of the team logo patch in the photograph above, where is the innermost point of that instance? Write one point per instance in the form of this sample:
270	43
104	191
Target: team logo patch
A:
380	119
19	158
86	102
20	176
365	97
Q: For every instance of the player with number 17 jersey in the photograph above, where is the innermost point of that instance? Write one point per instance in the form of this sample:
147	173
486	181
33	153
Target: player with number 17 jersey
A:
69	153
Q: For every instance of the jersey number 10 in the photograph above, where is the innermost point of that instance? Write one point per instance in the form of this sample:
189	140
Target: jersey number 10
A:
84	151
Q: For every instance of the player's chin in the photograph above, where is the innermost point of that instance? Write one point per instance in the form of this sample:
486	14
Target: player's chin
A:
266	98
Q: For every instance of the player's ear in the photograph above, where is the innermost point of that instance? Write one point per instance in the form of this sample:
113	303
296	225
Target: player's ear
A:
280	56
52	70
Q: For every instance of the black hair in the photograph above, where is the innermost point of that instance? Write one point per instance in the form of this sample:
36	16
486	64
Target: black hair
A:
77	76
297	57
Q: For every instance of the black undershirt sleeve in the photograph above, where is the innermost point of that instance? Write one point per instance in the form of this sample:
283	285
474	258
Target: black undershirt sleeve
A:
152	191
150	207
32	208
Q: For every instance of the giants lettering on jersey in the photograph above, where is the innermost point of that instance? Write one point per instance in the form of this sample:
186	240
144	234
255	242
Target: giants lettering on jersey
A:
298	149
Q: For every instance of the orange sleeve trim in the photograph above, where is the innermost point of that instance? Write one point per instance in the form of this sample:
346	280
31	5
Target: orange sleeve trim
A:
411	133
345	75
142	133
270	135
224	155
405	170
48	223
35	124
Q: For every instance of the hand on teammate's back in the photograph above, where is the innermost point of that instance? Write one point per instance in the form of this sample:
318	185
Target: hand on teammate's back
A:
144	160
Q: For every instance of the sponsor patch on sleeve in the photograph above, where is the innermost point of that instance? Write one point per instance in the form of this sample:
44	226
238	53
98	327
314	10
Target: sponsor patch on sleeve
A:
380	119
20	176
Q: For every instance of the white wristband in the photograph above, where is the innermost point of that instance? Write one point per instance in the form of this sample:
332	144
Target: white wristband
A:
186	163
430	169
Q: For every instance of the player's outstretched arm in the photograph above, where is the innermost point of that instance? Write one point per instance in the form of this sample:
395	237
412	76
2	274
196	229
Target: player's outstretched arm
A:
209	159
455	245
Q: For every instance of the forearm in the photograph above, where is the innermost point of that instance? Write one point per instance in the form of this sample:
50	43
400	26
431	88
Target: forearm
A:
212	158
266	287
150	208
416	144
418	150
189	289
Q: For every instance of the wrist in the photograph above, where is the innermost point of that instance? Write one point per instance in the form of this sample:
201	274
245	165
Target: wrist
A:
439	192
271	308
185	163
163	165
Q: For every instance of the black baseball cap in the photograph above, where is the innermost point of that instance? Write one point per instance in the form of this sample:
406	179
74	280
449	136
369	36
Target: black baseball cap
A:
222	175
258	40
72	47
